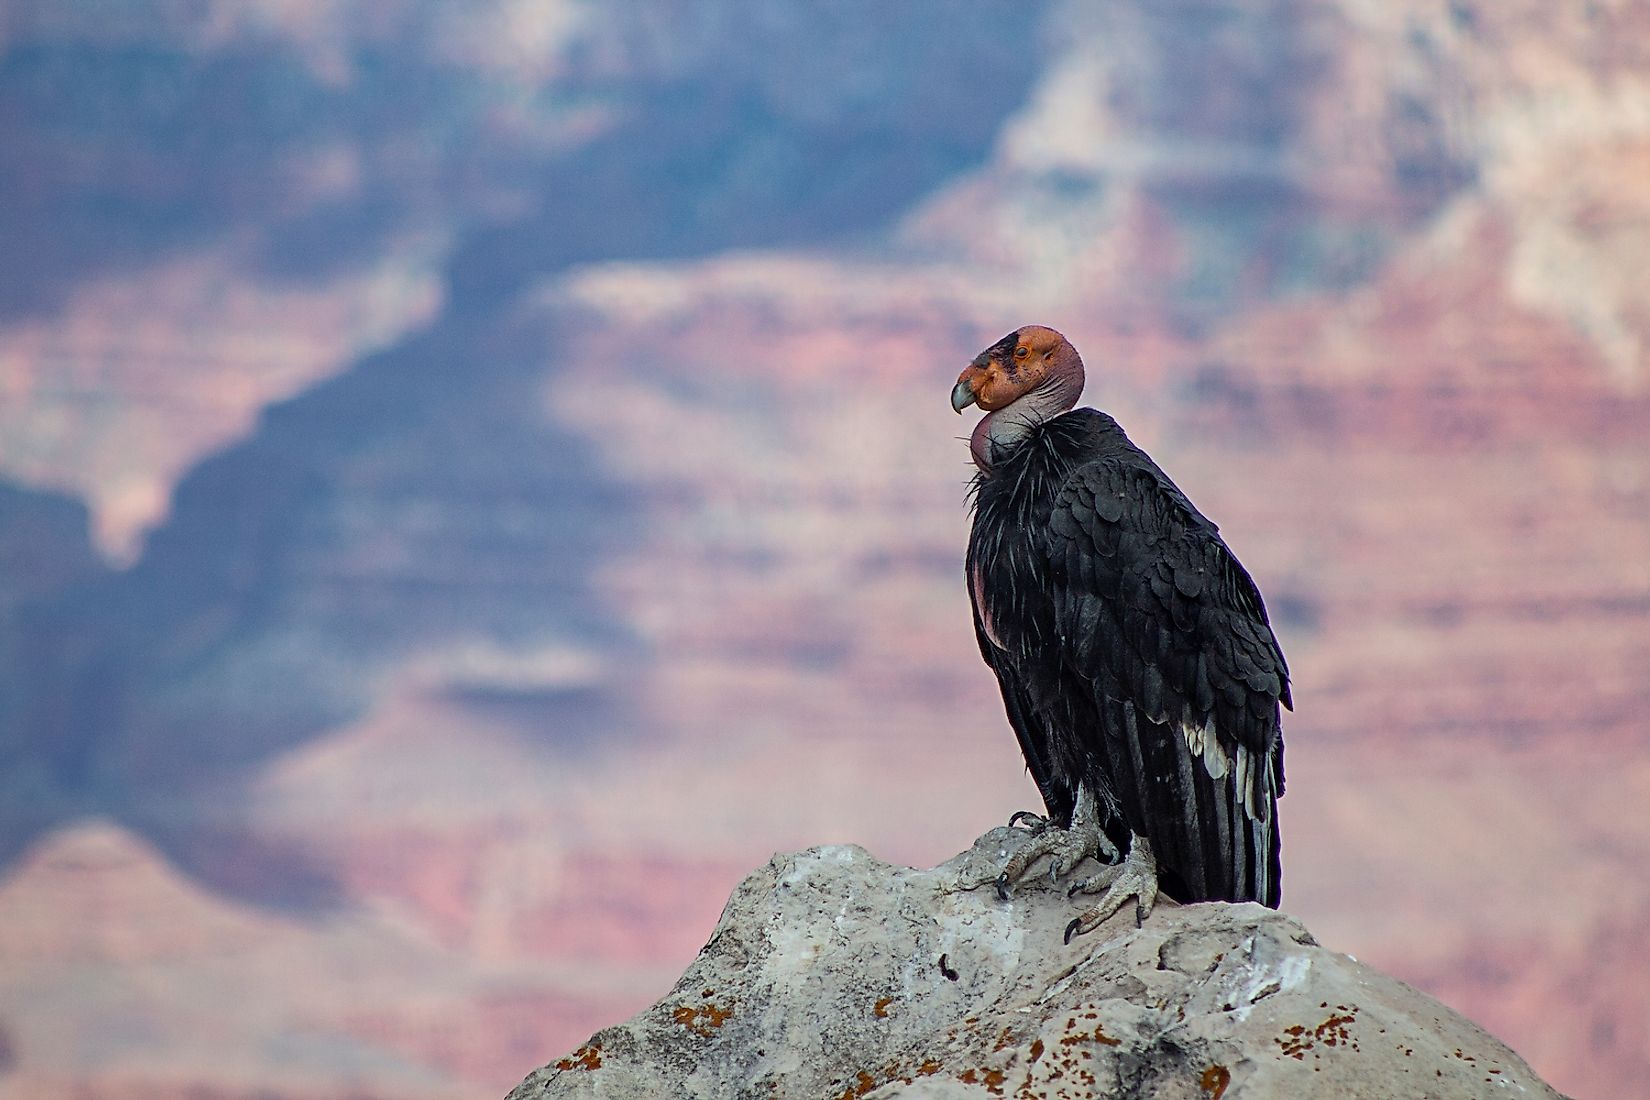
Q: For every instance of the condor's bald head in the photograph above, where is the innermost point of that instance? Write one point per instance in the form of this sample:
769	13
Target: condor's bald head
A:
1028	377
1024	361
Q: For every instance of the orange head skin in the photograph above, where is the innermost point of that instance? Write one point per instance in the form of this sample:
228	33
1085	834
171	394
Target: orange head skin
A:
1012	368
1034	369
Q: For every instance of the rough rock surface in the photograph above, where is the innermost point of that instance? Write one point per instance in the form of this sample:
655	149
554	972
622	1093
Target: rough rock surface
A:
833	974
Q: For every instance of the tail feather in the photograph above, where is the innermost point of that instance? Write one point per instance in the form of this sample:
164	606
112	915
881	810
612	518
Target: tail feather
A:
1208	844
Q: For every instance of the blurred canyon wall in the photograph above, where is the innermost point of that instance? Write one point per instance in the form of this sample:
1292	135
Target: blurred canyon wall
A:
476	479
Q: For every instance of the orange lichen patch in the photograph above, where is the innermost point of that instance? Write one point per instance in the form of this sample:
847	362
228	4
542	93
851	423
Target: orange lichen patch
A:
1297	1040
928	1068
1098	1035
1055	1069
863	1084
1333	1031
881	1008
704	1019
586	1057
1214	1081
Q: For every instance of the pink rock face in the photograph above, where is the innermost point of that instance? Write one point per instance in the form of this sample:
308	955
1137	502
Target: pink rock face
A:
442	711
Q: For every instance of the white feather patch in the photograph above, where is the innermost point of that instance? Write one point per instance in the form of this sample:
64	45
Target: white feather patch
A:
1194	737
1254	782
1202	742
1215	760
1250	773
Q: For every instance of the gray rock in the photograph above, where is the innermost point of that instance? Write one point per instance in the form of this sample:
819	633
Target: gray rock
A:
833	974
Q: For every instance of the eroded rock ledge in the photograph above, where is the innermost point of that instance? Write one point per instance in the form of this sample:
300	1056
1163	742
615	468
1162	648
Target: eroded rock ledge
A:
833	974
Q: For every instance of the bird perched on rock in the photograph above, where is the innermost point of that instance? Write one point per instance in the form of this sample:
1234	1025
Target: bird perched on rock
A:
1133	651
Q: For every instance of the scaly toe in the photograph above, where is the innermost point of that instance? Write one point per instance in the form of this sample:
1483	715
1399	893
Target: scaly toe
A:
1065	847
1135	878
1040	845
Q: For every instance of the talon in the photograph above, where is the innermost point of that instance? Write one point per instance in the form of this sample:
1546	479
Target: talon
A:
1136	878
1071	929
1064	846
1034	823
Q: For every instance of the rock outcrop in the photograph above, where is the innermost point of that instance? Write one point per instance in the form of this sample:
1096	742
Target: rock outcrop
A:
833	974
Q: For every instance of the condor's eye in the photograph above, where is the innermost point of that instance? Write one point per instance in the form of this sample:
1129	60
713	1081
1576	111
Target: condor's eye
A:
1021	352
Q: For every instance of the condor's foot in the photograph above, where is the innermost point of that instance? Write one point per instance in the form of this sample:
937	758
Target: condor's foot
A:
1065	847
1135	877
1034	823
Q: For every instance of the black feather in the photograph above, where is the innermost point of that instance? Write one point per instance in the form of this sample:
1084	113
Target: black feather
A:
1119	620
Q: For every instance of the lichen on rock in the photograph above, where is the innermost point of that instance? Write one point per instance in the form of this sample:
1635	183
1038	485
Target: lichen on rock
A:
833	974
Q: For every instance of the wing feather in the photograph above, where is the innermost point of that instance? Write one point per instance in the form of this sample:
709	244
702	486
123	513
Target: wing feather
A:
1168	635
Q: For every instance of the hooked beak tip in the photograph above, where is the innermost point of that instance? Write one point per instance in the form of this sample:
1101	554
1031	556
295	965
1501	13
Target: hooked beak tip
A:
962	396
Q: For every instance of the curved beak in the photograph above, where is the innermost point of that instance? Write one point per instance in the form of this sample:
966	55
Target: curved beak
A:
962	394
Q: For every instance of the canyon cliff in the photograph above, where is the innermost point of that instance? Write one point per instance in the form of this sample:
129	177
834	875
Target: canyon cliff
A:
457	460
